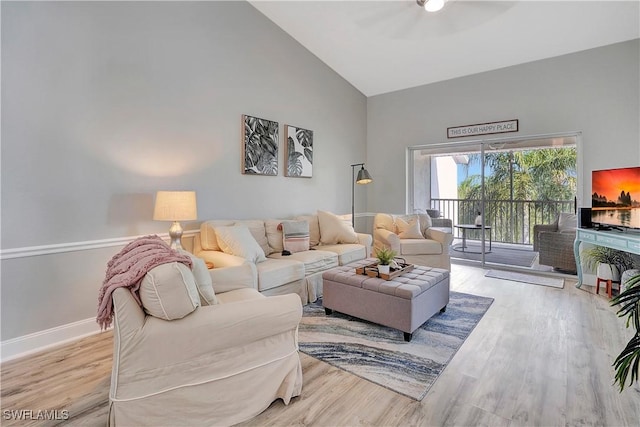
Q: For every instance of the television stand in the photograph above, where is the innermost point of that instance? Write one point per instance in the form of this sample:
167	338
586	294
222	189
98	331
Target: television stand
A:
626	242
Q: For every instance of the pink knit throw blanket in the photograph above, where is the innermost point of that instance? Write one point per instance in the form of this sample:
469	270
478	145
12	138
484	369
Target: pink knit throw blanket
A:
127	269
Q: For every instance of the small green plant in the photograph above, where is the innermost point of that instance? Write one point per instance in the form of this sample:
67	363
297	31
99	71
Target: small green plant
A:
385	255
628	361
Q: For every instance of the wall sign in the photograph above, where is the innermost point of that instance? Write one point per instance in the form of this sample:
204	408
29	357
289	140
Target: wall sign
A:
483	129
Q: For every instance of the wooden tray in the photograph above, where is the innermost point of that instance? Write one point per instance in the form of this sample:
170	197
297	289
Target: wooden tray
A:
371	270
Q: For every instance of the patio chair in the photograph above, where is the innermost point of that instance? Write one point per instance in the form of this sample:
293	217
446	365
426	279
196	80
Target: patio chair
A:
554	242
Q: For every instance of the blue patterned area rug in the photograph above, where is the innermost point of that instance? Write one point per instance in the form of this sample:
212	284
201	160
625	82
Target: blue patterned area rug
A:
379	354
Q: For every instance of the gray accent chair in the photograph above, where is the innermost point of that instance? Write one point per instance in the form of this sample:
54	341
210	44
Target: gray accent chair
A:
554	243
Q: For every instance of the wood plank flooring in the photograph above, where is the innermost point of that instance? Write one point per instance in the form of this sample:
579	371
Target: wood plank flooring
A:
540	357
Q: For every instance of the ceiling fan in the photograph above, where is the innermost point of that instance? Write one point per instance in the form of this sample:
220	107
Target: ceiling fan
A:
401	20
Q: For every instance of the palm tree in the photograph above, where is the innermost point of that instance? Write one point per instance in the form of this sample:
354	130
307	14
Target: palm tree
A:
545	175
628	361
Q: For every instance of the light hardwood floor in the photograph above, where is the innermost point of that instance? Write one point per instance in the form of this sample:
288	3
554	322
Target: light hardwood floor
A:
540	357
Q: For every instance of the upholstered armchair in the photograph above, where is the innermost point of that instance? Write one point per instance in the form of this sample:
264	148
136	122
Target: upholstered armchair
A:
414	238
554	242
217	364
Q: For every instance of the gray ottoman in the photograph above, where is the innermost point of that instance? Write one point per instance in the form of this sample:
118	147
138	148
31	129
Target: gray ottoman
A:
404	302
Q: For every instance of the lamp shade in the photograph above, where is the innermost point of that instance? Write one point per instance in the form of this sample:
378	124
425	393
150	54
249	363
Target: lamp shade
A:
175	206
363	176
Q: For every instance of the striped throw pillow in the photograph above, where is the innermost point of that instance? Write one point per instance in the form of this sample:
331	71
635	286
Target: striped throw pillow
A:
295	236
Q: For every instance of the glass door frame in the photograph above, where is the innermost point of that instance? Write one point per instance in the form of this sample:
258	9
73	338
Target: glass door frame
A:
483	143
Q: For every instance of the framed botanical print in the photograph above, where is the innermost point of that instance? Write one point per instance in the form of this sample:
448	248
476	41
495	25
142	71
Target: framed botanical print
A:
259	146
299	153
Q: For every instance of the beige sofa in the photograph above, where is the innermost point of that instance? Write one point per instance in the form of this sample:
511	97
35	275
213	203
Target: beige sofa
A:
332	242
413	238
180	361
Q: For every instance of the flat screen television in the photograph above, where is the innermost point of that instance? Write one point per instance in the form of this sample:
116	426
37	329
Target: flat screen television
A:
615	199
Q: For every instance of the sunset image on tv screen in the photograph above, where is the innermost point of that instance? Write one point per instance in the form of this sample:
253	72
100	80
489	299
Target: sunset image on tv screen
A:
616	188
615	199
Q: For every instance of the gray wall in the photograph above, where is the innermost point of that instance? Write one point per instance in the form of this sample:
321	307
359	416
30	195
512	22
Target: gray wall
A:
105	103
596	92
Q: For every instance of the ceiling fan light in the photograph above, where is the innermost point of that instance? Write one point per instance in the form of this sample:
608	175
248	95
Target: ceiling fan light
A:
433	5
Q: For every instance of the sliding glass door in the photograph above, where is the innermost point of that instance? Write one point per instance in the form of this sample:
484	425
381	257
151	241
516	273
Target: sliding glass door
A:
491	193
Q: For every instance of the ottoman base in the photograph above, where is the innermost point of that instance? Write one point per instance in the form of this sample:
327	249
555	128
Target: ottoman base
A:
403	314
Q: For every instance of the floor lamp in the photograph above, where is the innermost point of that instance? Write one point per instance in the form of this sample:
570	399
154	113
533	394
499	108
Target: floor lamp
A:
363	178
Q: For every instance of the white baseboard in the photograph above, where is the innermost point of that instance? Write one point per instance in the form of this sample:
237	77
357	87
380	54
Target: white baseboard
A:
28	344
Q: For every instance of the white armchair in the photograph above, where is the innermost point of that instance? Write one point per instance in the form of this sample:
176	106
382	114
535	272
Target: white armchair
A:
219	365
413	238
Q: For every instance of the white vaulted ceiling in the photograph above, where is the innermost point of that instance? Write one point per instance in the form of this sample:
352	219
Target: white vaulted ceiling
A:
384	46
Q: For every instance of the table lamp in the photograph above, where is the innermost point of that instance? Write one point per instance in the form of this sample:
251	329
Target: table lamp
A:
175	206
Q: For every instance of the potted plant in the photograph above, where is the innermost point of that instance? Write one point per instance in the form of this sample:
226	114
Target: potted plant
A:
385	256
607	262
628	361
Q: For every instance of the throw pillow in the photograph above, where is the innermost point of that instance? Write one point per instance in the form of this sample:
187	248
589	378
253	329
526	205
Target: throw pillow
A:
208	239
425	221
295	236
169	291
314	228
274	234
203	279
238	241
334	230
384	221
567	222
409	229
257	229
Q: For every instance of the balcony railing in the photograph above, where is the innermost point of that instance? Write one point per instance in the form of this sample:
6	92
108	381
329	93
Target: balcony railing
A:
511	221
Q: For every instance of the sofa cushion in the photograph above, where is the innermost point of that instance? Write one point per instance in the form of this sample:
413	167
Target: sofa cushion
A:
420	247
208	239
346	252
274	234
314	261
257	229
243	294
314	228
384	221
409	229
567	222
168	291
237	240
202	279
424	219
335	230
295	236
276	272
425	222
